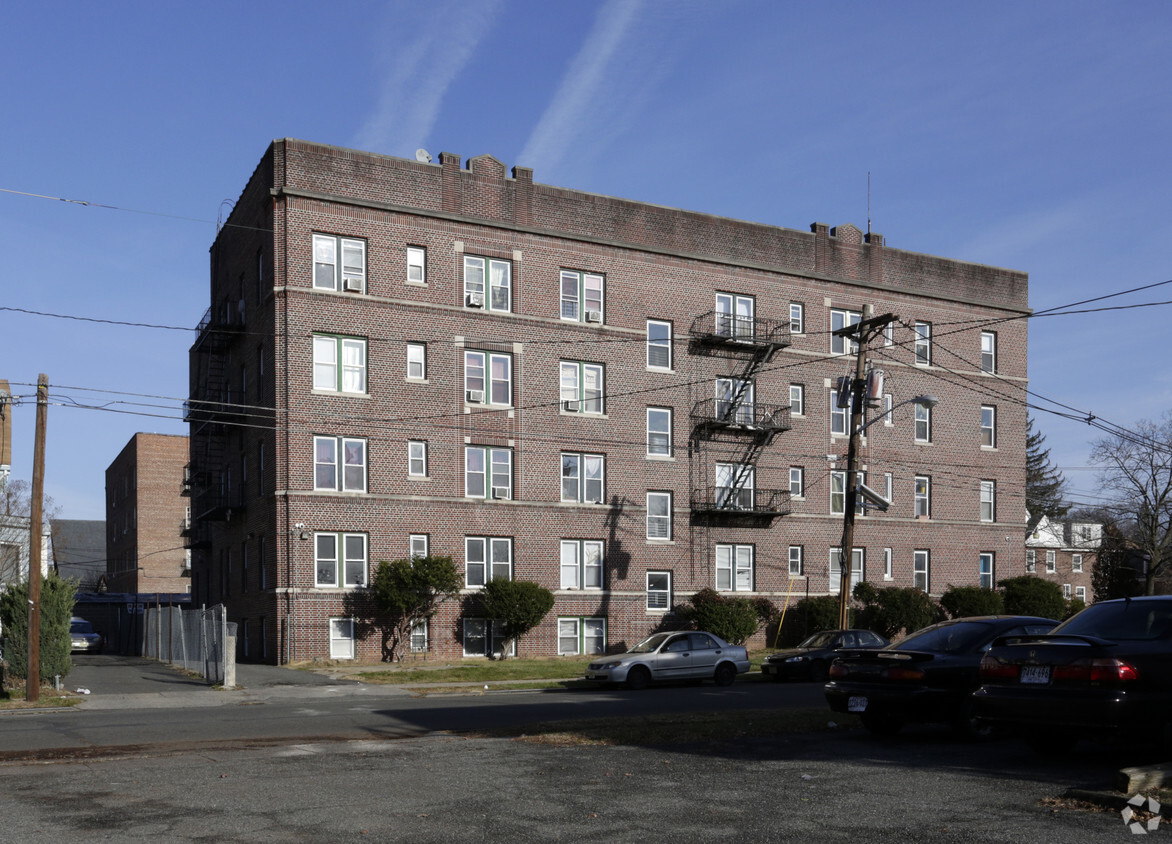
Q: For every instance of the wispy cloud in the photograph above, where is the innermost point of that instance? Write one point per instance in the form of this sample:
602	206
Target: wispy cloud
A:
423	58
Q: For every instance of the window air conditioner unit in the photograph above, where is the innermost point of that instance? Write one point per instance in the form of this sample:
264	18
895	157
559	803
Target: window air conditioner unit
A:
476	396
594	316
570	405
501	492
351	284
475	300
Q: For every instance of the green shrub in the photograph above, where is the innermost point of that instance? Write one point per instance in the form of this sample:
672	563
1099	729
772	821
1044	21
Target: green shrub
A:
969	601
894	609
733	619
56	610
1030	595
516	605
807	617
1075	606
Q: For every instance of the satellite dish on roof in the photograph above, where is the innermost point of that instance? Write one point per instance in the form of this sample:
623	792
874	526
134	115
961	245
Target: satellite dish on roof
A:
422	155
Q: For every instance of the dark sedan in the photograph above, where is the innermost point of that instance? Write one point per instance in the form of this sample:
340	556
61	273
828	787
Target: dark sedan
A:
927	677
811	659
1105	672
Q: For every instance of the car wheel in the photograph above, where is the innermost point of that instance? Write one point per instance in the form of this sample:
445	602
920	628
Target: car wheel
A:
725	674
881	723
819	670
966	724
638	678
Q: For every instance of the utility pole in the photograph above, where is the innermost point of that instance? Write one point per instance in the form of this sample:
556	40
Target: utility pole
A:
33	680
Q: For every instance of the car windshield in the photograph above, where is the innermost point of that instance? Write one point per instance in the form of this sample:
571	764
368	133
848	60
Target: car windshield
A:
1128	620
80	627
820	640
649	644
949	638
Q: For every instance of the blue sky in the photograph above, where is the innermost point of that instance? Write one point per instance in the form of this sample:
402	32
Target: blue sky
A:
1033	136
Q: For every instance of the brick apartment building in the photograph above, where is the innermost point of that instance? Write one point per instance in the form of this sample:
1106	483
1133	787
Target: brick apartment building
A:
148	516
623	402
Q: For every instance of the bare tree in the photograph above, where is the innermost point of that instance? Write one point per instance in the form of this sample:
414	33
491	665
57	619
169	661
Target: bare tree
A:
15	509
1136	473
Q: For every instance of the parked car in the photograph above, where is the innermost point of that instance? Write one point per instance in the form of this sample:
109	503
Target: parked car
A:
679	655
1107	671
83	638
810	660
927	677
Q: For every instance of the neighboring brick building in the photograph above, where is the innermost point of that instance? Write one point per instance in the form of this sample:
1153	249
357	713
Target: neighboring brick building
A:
1064	552
147	517
405	357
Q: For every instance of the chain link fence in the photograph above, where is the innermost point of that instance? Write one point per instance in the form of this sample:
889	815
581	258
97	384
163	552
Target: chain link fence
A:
202	641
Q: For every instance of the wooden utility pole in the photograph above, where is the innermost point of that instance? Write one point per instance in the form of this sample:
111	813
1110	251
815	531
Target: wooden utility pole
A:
36	513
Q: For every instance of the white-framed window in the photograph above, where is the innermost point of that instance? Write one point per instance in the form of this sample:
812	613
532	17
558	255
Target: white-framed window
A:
419	636
797	318
342	638
921	560
583	477
483	637
1031	561
348	569
797	399
923	343
888	419
734	315
581	636
923	431
582	386
923	495
1076	562
839	417
887	564
582	299
857	568
659	515
417	458
988	351
797	482
416	265
837	492
1080	592
797	563
488	378
842	319
659	351
659	439
488	472
339	463
329	273
487	558
581	564
988	426
418	545
1051	561
1066	591
735	400
988	501
339	363
888	486
734	568
986	562
416	361
735	483
659	590
499	283
889	334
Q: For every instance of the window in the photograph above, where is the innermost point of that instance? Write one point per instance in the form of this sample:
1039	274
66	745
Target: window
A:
339	364
733	394
260	275
581	562
923	344
1051	562
1080	592
659	432
583	477
500	274
923	495
838	417
417	458
488	378
797	399
988	352
260	561
419	637
581	636
797	318
582	386
339	463
988	426
888	486
352	563
260	467
341	638
1076	562
888	420
796	560
418	543
835	570
487	557
1031	561
837	493
842	319
488	472
920	572
1066	591
659	590
416	265
734	568
797	482
734	316
659	515
483	637
986	574
582	296
923	423
734	486
988	501
889	334
887	564
658	344
327	275
416	361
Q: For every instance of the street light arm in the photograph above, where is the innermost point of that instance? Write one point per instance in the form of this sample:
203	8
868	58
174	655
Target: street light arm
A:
926	401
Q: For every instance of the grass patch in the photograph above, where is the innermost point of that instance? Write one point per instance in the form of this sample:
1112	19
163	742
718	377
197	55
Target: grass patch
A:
49	699
480	672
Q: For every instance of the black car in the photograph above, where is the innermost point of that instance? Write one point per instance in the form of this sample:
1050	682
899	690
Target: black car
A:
927	677
1104	672
811	659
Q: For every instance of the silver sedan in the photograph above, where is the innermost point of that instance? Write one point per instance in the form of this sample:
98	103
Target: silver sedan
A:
679	655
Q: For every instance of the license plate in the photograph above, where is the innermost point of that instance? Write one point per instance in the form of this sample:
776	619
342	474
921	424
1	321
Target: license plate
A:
856	703
1035	673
